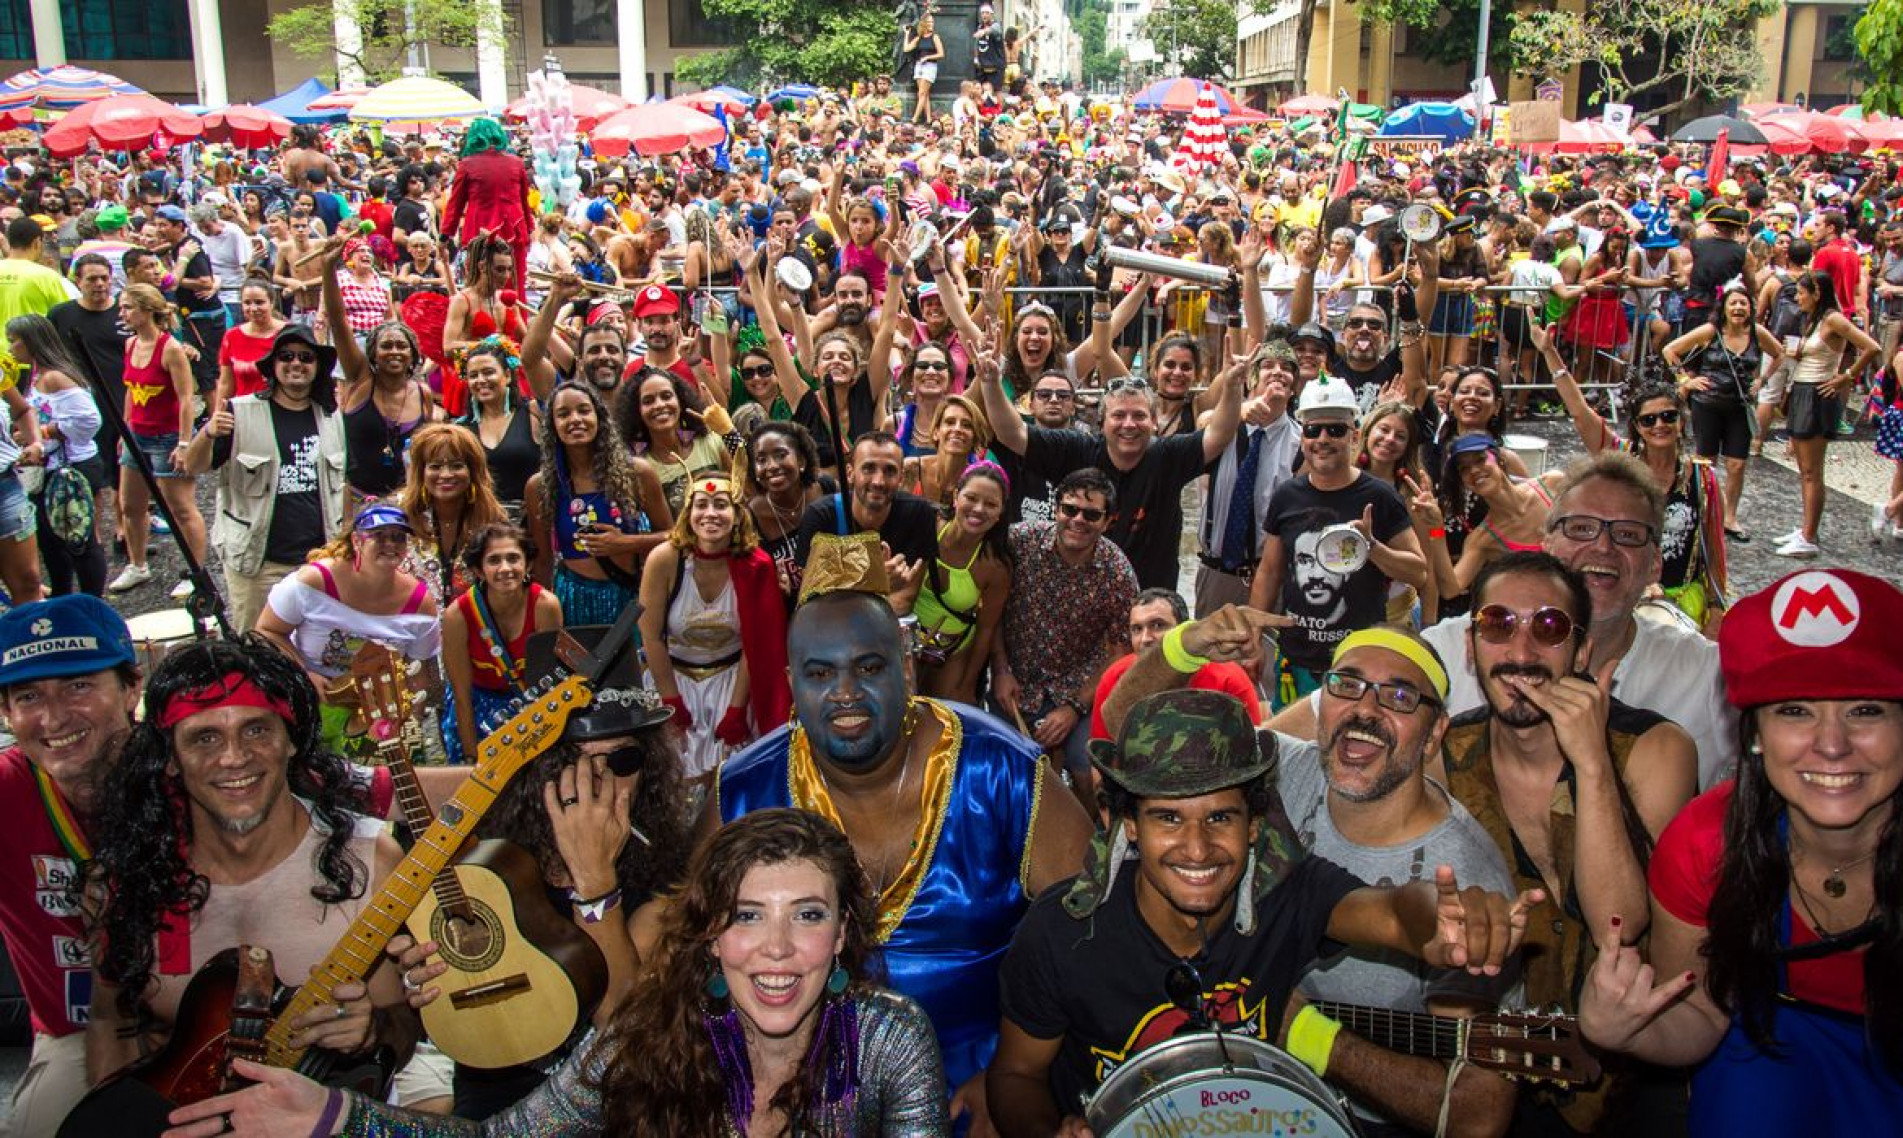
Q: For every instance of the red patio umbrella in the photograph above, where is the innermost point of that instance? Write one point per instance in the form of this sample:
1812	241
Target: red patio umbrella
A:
253	128
706	101
592	104
656	128
122	122
1306	105
342	99
1784	136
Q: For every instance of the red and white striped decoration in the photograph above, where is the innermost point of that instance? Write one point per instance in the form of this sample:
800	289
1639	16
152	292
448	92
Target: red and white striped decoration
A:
1204	141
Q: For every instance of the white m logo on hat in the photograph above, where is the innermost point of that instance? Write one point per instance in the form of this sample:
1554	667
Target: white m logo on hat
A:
1815	610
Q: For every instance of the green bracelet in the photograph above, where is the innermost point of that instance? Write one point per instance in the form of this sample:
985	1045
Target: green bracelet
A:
1311	1038
1179	657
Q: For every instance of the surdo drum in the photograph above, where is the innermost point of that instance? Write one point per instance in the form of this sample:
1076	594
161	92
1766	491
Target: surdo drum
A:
1206	1084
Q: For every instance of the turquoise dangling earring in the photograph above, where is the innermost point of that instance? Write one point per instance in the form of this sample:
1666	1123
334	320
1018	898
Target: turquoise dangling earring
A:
717	985
837	981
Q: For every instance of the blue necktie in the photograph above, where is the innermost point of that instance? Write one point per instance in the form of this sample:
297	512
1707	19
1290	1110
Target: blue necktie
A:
1239	527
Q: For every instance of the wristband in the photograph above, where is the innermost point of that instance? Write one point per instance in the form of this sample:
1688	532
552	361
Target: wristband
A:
1438	533
1179	657
1311	1038
333	1106
594	909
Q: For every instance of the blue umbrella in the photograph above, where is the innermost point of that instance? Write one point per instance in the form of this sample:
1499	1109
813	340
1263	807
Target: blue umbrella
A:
798	92
1444	121
295	104
735	94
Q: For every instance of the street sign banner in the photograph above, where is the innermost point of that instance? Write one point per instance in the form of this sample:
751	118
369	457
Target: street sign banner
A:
1549	91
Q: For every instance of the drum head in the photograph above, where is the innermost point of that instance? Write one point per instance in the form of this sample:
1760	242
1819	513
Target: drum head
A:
1203	1084
160	627
1341	550
1420	222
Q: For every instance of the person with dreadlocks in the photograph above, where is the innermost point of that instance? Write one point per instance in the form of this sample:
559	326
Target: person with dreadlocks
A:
594	509
490	195
229	823
762	1013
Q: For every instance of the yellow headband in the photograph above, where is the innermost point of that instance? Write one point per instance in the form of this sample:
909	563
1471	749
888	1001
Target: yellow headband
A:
1422	656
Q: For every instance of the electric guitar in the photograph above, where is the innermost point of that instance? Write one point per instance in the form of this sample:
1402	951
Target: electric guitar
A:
194	1063
1525	1046
521	975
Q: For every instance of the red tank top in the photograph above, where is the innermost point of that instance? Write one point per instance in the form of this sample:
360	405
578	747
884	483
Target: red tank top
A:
486	667
151	401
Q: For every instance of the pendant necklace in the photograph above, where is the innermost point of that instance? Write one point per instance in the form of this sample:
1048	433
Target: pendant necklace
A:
1834	886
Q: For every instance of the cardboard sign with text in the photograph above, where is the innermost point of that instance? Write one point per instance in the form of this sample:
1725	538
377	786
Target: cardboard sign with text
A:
1534	122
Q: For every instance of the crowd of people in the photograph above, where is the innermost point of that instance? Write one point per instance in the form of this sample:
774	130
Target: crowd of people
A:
889	445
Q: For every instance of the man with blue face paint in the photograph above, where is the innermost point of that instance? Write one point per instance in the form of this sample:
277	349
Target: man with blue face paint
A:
957	823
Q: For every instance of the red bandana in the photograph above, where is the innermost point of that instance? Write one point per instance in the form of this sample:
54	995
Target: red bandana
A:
233	689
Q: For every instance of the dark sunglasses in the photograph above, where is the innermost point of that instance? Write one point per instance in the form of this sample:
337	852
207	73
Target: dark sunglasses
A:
760	372
1394	695
1549	627
1051	394
1364	322
296	357
625	761
1317	430
1653	418
1585	528
1091	514
930	365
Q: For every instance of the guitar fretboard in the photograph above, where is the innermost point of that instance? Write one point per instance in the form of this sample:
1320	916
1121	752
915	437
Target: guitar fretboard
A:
1410	1033
502	754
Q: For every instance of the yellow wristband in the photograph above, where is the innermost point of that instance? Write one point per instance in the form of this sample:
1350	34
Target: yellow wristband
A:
1177	656
1311	1038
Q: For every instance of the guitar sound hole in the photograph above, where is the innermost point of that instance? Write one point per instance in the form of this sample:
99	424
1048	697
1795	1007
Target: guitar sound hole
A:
468	945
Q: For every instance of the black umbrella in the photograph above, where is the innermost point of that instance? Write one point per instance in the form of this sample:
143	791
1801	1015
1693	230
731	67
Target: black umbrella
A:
1706	130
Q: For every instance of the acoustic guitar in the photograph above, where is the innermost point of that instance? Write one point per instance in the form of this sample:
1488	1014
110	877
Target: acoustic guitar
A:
521	975
194	1064
1525	1046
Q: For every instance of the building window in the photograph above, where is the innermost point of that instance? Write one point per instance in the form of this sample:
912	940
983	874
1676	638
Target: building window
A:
16	30
126	29
566	23
689	26
1838	44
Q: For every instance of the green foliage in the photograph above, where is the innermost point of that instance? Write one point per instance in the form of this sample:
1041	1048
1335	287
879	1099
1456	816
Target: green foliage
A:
1202	34
387	30
1680	50
1090	20
1880	50
1445	31
830	42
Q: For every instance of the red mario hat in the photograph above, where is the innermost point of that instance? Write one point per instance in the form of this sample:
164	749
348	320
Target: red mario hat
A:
1816	634
655	300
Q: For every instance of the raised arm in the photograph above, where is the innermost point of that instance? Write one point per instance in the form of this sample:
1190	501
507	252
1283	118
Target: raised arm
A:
1006	427
540	339
1592	428
350	357
785	370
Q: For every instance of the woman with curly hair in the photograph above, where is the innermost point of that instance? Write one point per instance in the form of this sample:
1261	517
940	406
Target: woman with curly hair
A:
593	509
715	628
759	1014
666	422
227	822
1776	929
448	497
485	635
504	423
783	476
382	400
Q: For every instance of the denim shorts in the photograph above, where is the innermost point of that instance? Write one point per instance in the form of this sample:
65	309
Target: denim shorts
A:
158	451
17	519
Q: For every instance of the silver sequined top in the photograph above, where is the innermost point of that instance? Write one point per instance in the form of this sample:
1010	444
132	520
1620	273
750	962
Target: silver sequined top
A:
901	1091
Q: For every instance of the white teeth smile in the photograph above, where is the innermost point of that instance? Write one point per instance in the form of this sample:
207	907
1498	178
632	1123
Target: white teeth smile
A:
1830	781
850	721
65	740
238	784
1195	876
1365	737
776	985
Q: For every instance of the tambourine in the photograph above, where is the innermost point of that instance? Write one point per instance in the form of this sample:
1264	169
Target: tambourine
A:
1420	223
1341	550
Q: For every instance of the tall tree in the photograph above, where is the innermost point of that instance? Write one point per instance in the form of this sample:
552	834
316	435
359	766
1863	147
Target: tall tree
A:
1678	51
833	42
1201	32
1880	49
389	28
1445	31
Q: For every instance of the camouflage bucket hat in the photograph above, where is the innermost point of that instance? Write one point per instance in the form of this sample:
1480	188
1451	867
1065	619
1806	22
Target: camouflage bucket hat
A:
1184	744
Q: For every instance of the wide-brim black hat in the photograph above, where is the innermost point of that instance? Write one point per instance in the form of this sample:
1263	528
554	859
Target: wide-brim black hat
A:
622	705
298	334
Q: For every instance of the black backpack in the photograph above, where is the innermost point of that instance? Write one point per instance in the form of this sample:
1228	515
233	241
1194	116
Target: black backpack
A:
1786	318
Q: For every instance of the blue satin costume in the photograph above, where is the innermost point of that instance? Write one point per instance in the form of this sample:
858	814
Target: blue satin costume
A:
946	951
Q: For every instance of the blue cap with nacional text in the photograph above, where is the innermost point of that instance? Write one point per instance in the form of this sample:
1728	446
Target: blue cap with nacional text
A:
73	635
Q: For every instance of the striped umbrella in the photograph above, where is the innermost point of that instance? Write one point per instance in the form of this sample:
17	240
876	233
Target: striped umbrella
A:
1203	142
416	99
61	88
1178	96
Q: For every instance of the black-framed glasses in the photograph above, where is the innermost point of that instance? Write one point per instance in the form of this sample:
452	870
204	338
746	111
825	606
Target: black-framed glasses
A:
1091	514
1550	627
763	371
1317	430
1585	528
1393	695
1052	394
1653	418
930	365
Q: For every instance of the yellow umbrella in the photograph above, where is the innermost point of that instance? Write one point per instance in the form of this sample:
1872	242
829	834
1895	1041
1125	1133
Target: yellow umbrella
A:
414	100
